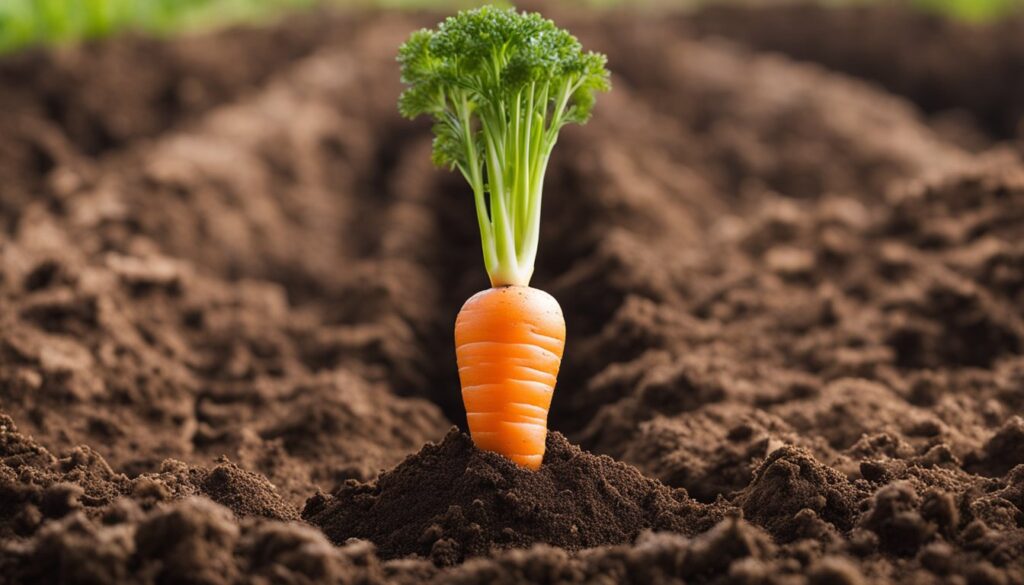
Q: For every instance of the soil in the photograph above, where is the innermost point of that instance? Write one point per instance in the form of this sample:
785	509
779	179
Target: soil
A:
794	306
964	74
451	500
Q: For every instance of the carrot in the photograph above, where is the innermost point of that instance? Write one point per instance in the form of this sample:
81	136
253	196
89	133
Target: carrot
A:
500	85
509	343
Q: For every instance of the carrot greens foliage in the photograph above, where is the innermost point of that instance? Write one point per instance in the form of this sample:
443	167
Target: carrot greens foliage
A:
499	85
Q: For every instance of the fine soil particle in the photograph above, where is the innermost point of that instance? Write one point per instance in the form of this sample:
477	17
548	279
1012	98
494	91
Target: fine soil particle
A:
451	501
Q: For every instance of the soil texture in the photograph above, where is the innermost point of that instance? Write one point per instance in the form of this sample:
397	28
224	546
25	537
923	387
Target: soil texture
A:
794	294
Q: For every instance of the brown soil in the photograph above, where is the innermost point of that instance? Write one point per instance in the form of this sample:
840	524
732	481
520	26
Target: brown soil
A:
228	283
451	500
967	75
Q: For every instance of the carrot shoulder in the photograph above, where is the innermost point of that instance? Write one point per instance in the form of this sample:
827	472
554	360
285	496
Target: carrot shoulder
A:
509	343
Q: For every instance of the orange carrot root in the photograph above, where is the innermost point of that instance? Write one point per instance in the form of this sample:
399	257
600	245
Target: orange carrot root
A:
509	342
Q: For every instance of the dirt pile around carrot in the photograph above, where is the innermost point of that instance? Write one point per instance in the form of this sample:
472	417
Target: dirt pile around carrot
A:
451	501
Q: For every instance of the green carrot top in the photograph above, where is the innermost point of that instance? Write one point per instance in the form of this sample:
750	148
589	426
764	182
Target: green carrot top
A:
499	85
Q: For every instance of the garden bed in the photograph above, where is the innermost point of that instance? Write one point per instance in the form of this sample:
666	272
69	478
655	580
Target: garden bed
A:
229	275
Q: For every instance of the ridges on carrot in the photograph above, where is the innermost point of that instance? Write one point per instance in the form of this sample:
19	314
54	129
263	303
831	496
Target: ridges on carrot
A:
509	343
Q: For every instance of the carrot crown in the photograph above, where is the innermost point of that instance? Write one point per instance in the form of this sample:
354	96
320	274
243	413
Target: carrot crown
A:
499	85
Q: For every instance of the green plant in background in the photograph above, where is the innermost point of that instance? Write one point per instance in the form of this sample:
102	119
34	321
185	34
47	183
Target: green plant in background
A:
973	10
26	22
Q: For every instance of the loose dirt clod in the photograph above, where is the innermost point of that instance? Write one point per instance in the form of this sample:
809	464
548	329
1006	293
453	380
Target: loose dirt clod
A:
789	482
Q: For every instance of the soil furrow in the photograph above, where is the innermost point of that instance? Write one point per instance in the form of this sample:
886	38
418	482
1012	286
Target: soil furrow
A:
650	215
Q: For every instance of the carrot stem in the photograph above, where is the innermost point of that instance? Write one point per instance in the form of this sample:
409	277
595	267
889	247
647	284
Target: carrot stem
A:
500	85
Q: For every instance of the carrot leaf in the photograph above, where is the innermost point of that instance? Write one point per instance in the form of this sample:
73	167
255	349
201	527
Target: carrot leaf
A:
500	85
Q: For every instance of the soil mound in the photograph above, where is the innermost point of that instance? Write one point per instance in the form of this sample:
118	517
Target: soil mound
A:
37	486
190	541
451	501
791	481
